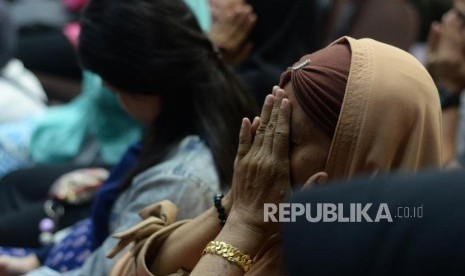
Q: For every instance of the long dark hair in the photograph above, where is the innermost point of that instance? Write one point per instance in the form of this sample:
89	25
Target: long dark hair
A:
156	47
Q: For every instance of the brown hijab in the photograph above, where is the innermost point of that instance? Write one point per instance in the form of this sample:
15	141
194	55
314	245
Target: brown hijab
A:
319	81
383	113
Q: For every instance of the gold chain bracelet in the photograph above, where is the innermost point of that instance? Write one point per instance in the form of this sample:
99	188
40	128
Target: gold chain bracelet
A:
230	253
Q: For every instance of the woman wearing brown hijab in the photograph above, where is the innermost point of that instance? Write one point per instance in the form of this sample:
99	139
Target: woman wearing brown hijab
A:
358	106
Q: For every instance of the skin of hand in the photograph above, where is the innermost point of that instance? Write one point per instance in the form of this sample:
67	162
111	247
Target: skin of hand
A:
261	175
217	6
446	56
13	266
231	29
229	198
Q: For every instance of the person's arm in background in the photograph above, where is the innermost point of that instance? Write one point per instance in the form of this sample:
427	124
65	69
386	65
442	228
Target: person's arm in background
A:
450	120
18	265
232	22
446	64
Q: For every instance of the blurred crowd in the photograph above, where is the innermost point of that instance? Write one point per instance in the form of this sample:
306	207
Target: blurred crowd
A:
146	137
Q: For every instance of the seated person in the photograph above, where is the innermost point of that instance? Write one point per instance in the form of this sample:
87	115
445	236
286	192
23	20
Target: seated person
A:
190	103
77	133
92	130
355	107
85	139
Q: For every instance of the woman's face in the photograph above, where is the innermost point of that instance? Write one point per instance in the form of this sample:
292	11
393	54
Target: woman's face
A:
309	145
144	108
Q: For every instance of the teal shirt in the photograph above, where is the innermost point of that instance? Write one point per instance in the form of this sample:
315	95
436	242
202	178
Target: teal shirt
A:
95	114
201	10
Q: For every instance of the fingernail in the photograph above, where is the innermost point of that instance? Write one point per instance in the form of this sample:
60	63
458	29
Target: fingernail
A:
269	99
275	88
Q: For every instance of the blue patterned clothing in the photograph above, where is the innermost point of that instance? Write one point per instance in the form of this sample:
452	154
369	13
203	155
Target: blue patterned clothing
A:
15	252
71	252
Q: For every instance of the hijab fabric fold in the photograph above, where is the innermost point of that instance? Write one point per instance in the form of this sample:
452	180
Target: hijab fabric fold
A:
377	102
390	118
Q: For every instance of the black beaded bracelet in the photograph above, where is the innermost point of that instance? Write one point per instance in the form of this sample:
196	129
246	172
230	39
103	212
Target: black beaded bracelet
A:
219	208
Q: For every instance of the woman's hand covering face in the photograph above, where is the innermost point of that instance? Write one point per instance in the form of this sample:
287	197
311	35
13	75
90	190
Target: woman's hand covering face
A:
261	172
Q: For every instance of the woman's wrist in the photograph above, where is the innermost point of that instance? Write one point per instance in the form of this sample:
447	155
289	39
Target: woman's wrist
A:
227	203
239	233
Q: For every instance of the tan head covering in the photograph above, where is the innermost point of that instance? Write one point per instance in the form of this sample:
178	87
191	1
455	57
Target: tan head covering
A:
390	117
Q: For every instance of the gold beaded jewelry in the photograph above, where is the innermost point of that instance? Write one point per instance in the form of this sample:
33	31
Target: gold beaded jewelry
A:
230	253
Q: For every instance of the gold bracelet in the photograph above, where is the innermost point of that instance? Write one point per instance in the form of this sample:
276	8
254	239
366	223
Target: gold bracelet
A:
230	253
